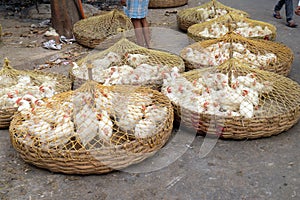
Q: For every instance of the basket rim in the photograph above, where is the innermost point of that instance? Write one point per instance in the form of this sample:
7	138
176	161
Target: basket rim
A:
163	132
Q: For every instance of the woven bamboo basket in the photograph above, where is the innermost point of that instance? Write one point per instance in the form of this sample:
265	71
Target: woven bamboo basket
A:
218	27
190	16
166	3
91	31
10	76
281	64
159	61
82	147
234	101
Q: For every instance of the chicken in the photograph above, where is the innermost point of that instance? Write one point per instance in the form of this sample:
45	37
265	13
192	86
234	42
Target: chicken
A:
246	109
155	113
24	80
23	105
101	64
130	117
136	59
46	91
145	128
105	126
86	123
61	134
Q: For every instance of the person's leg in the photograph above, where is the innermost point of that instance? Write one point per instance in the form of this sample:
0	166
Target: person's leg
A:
138	30
146	31
277	9
279	5
289	9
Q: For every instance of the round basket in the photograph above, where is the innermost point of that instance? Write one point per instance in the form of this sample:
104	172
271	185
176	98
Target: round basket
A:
91	31
126	63
246	27
234	101
262	54
166	3
104	128
207	11
13	90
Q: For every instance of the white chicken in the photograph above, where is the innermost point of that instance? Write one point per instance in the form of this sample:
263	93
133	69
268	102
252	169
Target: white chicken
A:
105	126
136	59
146	72
246	109
145	128
23	105
47	91
130	117
24	80
86	123
155	113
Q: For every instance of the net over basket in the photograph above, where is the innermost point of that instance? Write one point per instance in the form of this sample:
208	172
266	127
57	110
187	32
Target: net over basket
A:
166	3
261	54
234	101
94	129
232	22
126	63
91	31
205	12
21	89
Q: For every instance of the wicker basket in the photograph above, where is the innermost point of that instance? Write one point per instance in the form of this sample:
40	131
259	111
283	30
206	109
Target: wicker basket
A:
190	16
91	31
166	3
123	48
276	111
38	77
98	155
233	22
284	54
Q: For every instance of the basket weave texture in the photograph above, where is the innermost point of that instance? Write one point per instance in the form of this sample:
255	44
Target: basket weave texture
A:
166	3
141	66
11	94
232	22
91	31
281	65
249	103
190	16
94	129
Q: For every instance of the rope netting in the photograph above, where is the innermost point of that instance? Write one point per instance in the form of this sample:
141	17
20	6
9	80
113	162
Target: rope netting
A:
166	3
126	63
22	89
261	54
205	12
232	22
91	31
236	99
113	126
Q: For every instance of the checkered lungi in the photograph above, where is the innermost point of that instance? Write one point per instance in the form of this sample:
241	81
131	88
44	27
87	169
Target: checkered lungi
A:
136	9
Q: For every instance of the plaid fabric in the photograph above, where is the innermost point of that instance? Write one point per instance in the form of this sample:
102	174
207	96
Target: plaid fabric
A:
136	9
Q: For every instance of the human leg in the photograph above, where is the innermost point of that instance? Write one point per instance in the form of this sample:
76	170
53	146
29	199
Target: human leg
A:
146	31
289	11
277	9
138	30
279	5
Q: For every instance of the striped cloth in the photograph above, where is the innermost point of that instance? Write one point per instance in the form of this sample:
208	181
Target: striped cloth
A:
136	9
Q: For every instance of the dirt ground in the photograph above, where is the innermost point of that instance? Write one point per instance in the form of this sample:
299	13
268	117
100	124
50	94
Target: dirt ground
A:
249	169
